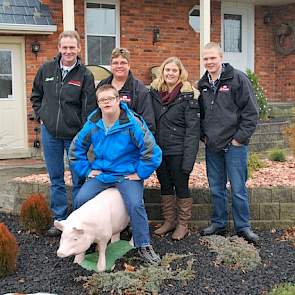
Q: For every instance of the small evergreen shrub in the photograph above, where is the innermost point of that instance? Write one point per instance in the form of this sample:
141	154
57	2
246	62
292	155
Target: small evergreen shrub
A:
277	155
283	289
260	95
233	252
254	164
8	251
35	214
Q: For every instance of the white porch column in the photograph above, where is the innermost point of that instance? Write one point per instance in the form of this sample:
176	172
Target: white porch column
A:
68	15
205	28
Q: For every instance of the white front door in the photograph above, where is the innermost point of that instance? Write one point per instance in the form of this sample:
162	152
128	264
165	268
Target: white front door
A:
238	34
13	119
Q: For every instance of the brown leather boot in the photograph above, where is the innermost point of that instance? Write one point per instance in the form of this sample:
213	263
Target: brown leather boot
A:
184	207
168	204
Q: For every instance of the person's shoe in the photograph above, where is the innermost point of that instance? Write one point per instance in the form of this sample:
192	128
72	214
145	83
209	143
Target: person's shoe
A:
249	236
149	256
213	230
53	232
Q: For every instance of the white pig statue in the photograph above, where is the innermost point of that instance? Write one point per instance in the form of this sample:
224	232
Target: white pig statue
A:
97	221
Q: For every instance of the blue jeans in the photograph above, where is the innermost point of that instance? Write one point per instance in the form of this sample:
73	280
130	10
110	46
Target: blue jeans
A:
132	194
232	164
53	149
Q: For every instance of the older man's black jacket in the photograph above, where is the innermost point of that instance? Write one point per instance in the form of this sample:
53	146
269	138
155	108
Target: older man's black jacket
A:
230	113
63	105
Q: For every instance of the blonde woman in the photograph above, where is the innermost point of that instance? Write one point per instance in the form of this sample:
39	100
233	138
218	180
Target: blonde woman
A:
177	133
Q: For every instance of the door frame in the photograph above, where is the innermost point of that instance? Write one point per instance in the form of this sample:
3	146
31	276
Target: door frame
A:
25	152
250	8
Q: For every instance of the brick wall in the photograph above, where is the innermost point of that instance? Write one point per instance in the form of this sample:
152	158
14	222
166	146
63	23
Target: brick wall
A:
177	38
276	71
137	20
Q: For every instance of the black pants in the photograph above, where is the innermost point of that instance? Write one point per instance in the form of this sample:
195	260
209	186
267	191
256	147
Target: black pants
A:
171	177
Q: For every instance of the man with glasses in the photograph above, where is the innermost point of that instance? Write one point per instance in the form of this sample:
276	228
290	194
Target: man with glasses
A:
125	153
63	95
131	90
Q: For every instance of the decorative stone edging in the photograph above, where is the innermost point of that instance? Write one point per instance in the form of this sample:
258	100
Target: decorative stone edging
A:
270	207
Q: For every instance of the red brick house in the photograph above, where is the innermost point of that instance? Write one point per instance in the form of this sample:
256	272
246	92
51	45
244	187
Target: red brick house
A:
255	34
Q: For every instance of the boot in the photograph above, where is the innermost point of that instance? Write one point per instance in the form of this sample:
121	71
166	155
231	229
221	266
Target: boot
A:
184	207
168	204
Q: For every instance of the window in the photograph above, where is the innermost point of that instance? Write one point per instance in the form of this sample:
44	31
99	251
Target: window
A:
194	18
101	30
5	74
232	33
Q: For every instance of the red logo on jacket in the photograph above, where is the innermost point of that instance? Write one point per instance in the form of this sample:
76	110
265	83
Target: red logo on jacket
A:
224	88
75	83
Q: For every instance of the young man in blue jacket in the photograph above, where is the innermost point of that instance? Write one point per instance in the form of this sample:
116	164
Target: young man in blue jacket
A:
229	116
125	153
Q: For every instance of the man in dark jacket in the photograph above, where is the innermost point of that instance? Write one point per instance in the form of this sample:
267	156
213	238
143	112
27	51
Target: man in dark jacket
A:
63	95
131	90
229	117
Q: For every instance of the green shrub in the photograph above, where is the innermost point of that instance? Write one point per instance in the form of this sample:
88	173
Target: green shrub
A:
254	164
260	95
8	251
35	214
283	289
277	155
233	252
145	280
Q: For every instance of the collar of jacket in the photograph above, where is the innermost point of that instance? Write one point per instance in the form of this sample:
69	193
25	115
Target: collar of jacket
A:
127	85
227	74
186	87
58	57
96	115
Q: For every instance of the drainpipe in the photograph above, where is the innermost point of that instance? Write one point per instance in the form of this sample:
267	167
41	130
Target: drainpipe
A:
68	15
205	28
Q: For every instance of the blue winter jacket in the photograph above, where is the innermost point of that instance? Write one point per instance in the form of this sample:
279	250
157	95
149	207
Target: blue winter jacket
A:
127	147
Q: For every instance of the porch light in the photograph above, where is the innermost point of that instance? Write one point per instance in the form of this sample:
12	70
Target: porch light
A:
156	35
35	47
267	18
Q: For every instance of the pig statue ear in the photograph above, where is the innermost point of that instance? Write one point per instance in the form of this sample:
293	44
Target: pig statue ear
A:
79	231
59	224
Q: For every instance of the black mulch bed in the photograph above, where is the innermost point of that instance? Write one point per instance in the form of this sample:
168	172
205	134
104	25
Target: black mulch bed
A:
40	270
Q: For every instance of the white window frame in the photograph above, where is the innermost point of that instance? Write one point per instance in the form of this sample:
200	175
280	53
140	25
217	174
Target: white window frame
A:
12	76
117	5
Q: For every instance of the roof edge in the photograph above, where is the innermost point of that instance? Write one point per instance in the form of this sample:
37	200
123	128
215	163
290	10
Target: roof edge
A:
27	29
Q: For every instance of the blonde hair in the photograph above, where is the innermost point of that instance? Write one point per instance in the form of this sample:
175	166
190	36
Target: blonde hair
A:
183	74
215	45
70	34
120	52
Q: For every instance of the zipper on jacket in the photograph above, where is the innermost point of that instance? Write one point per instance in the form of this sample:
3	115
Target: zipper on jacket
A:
58	112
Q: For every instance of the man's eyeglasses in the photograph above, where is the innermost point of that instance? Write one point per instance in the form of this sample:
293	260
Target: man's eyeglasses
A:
108	99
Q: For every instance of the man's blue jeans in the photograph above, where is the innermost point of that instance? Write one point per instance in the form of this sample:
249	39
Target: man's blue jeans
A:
132	194
53	149
230	163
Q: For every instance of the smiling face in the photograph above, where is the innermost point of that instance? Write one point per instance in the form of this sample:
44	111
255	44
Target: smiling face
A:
171	74
69	50
212	60
120	68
